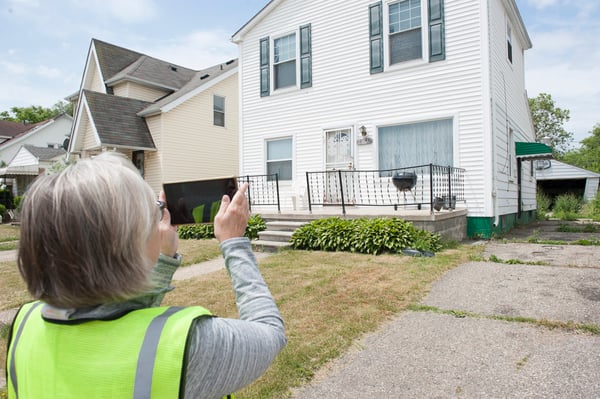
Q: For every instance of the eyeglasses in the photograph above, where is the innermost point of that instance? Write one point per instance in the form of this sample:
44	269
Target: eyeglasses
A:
161	205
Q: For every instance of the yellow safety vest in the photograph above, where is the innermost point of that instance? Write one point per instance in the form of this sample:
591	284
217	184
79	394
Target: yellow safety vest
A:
100	358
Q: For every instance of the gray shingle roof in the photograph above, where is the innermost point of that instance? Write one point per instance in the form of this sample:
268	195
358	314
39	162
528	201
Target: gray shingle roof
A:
200	78
44	153
116	120
118	63
113	59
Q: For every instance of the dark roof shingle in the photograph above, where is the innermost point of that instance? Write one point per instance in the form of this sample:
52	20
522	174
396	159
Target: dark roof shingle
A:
44	153
116	120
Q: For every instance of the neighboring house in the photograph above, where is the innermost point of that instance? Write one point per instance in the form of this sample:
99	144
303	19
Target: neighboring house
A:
431	81
28	163
50	133
174	123
555	178
9	129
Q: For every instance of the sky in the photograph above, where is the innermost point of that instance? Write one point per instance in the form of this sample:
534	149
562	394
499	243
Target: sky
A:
44	44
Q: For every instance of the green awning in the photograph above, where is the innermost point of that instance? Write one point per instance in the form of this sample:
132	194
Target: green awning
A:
532	151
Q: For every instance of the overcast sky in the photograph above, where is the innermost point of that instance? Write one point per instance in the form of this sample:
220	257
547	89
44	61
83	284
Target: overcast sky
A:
44	43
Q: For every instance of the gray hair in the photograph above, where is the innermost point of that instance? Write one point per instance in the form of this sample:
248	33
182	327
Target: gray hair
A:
84	233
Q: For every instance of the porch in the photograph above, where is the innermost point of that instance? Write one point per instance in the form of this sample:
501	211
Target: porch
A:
429	196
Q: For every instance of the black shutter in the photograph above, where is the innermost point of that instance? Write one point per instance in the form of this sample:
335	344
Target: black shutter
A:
376	37
437	40
305	57
264	67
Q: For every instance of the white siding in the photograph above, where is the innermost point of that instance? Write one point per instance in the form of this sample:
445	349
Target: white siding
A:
24	158
510	112
344	93
54	133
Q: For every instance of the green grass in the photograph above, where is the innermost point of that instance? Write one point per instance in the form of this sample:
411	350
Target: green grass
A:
327	301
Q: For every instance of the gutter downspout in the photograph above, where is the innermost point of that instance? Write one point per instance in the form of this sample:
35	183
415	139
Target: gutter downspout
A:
492	121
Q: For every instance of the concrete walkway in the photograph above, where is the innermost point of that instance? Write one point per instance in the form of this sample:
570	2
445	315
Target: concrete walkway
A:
468	349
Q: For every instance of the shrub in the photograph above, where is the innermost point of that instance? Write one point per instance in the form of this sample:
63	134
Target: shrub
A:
592	208
17	201
373	236
196	231
544	202
256	224
567	207
207	230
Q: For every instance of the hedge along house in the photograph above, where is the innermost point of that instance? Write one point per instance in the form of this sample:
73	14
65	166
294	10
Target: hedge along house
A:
390	84
174	123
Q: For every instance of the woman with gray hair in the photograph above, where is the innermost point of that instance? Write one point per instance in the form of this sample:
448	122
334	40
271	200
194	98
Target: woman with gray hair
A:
98	252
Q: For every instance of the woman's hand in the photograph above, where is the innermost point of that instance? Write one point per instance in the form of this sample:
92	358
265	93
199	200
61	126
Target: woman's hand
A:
232	218
169	239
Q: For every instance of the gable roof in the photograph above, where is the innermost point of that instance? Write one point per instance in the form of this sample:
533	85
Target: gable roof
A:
116	121
201	81
237	36
113	59
118	64
44	153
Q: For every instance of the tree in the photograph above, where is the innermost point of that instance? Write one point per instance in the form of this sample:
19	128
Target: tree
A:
548	121
588	155
36	113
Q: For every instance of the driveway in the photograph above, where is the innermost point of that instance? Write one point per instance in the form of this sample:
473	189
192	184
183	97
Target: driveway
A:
488	330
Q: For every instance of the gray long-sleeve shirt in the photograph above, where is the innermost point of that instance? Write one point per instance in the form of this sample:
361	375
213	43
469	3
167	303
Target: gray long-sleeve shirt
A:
224	355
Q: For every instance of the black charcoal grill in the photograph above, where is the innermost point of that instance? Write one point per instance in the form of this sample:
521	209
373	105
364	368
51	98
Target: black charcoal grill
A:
405	181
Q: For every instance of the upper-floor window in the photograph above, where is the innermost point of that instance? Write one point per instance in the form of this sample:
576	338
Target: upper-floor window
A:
286	61
414	30
509	46
218	110
405	31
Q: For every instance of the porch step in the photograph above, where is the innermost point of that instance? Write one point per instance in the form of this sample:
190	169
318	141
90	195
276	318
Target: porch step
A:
277	235
284	225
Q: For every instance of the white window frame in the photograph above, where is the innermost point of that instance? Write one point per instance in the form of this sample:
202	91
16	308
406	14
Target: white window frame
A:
424	38
291	159
215	110
296	86
509	41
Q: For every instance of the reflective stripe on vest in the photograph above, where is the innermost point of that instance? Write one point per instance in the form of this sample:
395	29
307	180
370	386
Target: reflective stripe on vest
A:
100	358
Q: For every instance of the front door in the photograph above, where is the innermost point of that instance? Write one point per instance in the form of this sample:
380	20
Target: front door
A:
338	157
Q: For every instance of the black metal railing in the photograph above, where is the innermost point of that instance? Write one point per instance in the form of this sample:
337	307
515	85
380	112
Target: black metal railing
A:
431	185
262	189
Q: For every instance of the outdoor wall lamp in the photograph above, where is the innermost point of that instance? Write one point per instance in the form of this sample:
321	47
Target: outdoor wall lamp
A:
364	139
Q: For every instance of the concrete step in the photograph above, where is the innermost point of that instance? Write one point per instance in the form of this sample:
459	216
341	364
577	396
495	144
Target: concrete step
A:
269	246
284	225
273	235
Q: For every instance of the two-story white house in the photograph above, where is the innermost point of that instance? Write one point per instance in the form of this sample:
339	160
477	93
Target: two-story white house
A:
379	85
